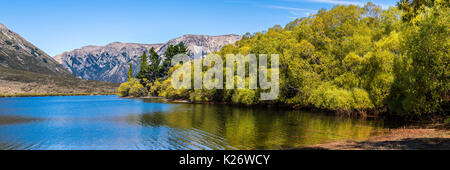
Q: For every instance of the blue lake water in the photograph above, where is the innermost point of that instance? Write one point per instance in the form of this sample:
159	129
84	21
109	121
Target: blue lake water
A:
110	122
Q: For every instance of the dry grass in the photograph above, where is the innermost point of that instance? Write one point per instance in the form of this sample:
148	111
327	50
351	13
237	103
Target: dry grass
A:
23	83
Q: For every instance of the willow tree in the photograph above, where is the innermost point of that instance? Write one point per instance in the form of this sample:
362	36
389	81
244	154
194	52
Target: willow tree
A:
422	75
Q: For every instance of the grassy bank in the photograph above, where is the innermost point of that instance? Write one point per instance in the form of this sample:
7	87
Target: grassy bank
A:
18	83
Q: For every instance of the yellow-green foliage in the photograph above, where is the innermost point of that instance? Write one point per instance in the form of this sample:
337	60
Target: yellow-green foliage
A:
337	59
330	97
244	96
155	88
422	74
340	59
138	90
124	89
132	88
201	95
361	99
169	92
349	58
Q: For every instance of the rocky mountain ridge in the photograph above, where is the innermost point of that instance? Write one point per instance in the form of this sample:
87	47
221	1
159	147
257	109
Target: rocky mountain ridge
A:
111	62
17	53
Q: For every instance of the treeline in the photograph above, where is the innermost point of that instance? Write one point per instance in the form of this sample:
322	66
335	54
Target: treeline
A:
349	59
153	68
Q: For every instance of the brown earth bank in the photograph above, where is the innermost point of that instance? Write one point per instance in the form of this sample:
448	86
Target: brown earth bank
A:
432	137
23	83
5	119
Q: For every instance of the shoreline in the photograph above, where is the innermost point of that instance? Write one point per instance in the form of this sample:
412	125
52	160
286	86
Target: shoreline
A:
381	113
404	138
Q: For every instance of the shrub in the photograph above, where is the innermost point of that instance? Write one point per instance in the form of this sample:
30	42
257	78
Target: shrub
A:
124	88
244	96
155	88
338	99
169	92
361	99
422	83
197	96
138	90
132	88
331	98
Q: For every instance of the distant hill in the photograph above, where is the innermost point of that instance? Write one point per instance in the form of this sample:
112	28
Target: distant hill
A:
108	63
18	53
105	63
27	70
13	82
111	62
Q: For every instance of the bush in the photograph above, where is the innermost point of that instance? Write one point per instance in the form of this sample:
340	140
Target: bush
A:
124	89
132	88
197	96
155	88
244	96
332	98
169	92
361	99
138	90
422	83
338	99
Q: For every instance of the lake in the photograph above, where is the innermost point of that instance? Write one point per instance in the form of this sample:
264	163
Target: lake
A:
110	122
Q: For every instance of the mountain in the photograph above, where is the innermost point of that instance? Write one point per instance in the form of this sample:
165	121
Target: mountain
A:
27	70
17	53
111	62
203	44
106	63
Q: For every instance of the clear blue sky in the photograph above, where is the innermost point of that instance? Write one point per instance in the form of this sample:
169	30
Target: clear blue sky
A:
56	26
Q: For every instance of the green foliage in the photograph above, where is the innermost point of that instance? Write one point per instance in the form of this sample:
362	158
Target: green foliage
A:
412	8
330	97
169	92
333	98
130	72
422	75
348	58
124	89
202	95
158	68
137	90
172	51
144	63
340	59
361	99
132	88
244	96
150	74
151	71
154	68
155	88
